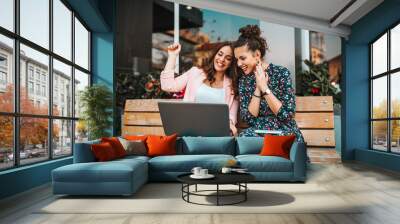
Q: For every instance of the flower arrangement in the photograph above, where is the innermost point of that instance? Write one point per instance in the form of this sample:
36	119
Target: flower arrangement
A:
315	81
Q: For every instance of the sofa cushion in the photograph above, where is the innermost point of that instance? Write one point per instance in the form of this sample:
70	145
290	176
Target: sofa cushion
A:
277	145
112	171
103	152
257	163
116	145
249	145
159	145
208	145
134	147
185	163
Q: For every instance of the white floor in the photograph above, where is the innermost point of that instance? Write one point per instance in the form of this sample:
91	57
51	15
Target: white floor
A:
377	189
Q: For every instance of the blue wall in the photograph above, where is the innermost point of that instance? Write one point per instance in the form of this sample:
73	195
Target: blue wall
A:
24	178
99	16
356	85
103	53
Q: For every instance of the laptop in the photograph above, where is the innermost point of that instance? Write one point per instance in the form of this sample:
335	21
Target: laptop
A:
195	119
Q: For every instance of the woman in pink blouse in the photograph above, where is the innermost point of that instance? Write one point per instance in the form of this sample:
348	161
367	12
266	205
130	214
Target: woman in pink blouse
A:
214	82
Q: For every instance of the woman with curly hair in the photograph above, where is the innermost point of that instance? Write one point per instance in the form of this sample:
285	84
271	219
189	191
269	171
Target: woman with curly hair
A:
267	100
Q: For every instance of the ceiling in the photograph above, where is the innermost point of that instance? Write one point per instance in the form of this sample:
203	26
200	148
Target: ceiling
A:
328	16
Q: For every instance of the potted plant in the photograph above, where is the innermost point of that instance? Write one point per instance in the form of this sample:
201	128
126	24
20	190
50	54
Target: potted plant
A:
96	104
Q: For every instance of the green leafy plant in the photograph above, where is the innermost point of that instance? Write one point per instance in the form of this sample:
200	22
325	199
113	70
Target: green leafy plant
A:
315	81
96	103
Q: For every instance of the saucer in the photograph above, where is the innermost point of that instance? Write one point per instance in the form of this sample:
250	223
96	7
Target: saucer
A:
208	176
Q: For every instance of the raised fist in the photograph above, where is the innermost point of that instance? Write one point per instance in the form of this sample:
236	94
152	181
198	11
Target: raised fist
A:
174	49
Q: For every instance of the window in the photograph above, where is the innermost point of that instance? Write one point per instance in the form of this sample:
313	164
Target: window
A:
3	78
35	21
3	61
44	91
81	81
37	89
30	72
37	75
81	45
62	137
43	77
33	147
62	29
385	96
30	87
62	74
7	14
6	73
45	131
6	142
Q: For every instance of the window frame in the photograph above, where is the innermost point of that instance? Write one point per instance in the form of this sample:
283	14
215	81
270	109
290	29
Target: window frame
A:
388	74
16	114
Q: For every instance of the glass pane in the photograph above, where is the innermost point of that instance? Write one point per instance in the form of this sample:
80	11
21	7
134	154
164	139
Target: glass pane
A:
33	140
62	138
6	142
81	131
395	94
62	89
395	47
62	29
35	21
81	45
7	14
6	74
395	132
379	135
81	81
379	97
379	56
34	97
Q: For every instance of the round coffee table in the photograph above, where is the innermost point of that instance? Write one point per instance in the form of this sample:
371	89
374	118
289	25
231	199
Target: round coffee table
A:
238	179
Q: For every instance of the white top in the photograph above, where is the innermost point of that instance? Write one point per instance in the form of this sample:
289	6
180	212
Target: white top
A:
207	94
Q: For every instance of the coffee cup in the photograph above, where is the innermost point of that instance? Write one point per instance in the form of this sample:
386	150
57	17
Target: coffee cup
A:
196	171
203	172
226	170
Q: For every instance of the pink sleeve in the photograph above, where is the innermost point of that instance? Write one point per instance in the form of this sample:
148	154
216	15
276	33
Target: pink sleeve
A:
233	111
171	84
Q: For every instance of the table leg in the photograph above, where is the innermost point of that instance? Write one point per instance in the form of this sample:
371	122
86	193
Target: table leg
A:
245	193
188	189
217	194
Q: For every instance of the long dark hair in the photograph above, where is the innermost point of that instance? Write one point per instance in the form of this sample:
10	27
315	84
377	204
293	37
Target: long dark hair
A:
231	72
250	35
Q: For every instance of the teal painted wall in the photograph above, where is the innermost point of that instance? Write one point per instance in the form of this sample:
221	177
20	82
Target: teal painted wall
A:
355	124
99	16
103	63
103	53
24	178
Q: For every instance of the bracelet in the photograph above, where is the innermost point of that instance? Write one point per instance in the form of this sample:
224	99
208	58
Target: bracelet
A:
257	96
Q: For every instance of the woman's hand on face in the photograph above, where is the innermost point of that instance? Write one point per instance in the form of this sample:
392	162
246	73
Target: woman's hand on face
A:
261	78
174	49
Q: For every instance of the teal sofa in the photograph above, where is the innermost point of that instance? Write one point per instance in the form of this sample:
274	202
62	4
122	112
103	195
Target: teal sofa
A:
125	176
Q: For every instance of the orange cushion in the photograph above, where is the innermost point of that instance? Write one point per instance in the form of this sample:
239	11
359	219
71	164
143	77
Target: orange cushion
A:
103	151
116	145
136	137
161	145
277	145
